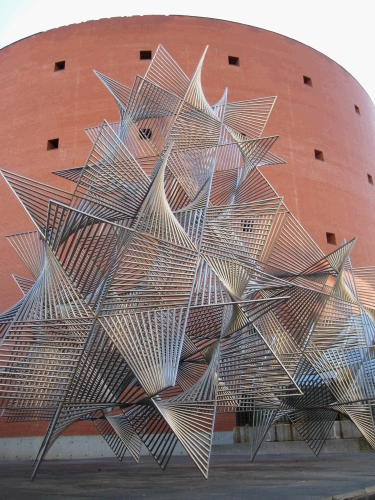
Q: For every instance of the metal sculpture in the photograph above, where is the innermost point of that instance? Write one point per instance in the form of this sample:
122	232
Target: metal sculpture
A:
172	284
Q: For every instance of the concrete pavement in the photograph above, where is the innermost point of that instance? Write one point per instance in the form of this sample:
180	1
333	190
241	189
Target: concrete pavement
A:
279	477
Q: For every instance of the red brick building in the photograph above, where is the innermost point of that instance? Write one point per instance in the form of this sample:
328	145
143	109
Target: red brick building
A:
325	120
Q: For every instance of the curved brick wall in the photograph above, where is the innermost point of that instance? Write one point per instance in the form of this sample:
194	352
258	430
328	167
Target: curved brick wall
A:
38	104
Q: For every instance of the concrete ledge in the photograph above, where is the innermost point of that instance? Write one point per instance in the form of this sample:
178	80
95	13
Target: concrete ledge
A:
281	438
65	448
359	445
341	429
366	494
79	447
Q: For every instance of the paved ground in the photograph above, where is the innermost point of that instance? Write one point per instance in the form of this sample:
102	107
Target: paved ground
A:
280	477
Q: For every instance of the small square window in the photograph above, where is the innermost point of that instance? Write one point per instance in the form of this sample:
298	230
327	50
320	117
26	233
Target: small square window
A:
307	81
357	110
145	54
247	226
319	155
59	66
234	61
52	144
370	179
331	238
145	133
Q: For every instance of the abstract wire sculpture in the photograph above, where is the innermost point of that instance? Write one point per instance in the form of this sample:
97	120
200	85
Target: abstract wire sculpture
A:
173	284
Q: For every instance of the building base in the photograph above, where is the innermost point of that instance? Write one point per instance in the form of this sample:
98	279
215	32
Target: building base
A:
281	438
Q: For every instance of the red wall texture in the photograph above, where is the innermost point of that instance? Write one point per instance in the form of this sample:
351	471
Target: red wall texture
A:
38	104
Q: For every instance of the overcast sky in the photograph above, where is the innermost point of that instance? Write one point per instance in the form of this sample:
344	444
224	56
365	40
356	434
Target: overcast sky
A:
343	30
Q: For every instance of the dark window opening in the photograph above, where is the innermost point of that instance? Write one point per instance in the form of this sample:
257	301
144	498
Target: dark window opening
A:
145	54
234	61
357	110
370	179
52	144
319	155
307	81
244	418
247	226
331	238
59	66
145	133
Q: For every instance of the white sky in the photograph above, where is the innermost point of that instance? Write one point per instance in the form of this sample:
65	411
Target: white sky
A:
343	30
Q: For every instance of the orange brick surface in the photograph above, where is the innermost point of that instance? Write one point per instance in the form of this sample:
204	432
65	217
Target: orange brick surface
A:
38	104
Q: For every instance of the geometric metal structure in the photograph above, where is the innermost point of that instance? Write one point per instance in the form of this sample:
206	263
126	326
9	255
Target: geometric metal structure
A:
172	283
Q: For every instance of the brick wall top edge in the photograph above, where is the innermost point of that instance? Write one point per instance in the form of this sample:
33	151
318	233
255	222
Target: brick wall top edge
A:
174	18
